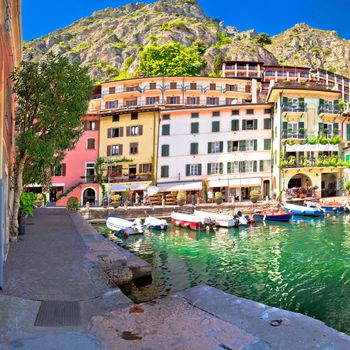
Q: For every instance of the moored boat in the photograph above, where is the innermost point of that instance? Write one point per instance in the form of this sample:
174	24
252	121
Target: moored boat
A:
270	215
303	210
191	221
123	226
221	219
156	224
331	207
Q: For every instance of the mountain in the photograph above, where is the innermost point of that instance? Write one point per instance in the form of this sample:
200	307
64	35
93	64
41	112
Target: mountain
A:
111	41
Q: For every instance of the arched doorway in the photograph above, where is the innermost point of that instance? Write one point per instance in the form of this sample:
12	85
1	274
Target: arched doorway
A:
89	195
299	180
300	186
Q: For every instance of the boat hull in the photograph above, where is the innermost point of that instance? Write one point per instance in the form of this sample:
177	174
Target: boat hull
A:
158	227
303	210
331	209
188	224
283	217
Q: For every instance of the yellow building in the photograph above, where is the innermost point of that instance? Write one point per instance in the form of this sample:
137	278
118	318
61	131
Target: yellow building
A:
129	140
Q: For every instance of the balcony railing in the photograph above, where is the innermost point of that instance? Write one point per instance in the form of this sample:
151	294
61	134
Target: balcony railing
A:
123	90
294	108
230	67
330	109
323	161
286	134
130	178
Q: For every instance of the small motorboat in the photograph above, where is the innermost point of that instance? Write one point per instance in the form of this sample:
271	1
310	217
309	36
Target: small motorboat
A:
192	221
346	206
243	220
156	224
121	226
270	215
303	210
329	207
220	219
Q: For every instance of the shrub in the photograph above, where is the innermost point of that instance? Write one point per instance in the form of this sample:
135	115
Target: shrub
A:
73	203
27	202
116	198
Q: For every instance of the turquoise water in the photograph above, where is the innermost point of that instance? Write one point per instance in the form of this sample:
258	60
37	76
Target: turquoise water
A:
302	266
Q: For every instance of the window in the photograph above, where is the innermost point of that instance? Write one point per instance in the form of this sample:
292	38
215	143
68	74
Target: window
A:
232	146
250	166
115	118
267	123
152	100
194	115
251	145
194	148
215	147
134	116
90	144
215	126
267	111
60	170
212	101
232	167
267	144
235	112
134	148
242	145
165	150
166	117
135	130
193	169
250	124
235	125
164	171
194	128
115	132
145	168
91	126
173	100
173	85
212	86
193	100
89	172
114	150
216	114
166	129
193	86
152	86
215	168
111	90
115	171
250	111
111	104
131	103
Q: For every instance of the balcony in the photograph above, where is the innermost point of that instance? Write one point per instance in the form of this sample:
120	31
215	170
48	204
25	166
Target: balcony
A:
122	90
298	135
230	67
329	110
217	89
321	162
149	88
129	178
193	88
293	112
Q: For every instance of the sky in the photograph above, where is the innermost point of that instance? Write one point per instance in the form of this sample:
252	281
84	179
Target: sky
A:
40	17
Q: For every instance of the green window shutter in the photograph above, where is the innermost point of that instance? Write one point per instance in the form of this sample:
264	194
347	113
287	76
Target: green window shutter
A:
336	129
165	150
267	123
164	171
255	145
301	100
194	148
285	127
209	147
244	124
267	144
229	168
347	132
199	169
221	168
188	169
209	169
242	167
229	146
321	102
301	129
215	126
285	100
320	126
109	133
166	129
234	125
255	166
194	128
221	146
242	145
255	124
261	165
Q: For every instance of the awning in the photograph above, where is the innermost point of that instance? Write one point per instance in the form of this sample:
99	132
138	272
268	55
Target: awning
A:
120	187
236	183
180	186
312	148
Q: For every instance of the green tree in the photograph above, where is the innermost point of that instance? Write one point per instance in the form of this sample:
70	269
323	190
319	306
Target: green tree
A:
263	39
51	97
172	59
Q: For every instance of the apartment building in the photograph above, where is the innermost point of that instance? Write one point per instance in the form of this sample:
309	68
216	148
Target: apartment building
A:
11	53
228	147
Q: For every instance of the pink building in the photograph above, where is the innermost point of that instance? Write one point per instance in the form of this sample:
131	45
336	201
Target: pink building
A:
75	176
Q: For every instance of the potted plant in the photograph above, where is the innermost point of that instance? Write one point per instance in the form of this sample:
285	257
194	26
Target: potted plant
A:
218	198
254	195
181	198
73	204
115	200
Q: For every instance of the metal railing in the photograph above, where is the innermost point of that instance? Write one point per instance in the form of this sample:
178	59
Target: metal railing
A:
330	109
286	134
294	107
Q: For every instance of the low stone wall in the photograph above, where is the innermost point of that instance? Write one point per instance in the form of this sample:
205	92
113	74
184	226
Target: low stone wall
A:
100	214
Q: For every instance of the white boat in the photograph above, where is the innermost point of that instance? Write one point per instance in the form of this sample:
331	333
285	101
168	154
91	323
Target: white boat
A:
303	210
123	226
223	219
156	224
191	221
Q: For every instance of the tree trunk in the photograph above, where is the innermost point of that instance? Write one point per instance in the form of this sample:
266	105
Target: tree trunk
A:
18	188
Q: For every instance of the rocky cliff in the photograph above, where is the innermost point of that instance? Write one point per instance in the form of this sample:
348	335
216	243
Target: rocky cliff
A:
110	41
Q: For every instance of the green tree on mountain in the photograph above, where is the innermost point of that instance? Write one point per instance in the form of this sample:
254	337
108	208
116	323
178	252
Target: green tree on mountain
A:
263	39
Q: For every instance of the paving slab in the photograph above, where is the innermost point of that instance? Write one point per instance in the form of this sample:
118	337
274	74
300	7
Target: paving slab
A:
170	323
280	328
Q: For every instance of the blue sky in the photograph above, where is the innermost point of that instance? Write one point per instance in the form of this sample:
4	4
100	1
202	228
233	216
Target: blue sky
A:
42	16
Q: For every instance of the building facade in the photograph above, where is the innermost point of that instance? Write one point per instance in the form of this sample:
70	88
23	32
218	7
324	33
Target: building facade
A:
10	57
76	174
225	149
